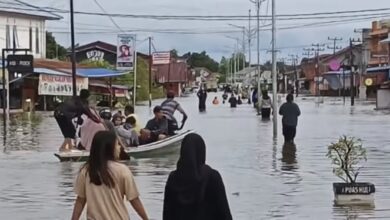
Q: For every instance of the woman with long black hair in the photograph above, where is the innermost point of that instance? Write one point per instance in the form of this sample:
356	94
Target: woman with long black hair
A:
265	105
195	191
103	183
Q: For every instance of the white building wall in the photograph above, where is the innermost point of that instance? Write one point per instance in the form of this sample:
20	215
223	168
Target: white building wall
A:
23	25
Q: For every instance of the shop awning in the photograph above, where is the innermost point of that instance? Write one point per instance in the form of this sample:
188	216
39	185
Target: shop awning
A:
96	72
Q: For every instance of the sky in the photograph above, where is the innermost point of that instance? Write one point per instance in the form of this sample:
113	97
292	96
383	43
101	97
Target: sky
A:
217	44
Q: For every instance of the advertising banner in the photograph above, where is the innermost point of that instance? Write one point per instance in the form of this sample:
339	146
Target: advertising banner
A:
125	52
60	85
161	58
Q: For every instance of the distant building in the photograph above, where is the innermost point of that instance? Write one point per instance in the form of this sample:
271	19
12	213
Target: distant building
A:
96	51
174	76
24	26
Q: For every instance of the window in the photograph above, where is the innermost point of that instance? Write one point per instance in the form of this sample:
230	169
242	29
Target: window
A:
7	37
30	38
15	39
37	40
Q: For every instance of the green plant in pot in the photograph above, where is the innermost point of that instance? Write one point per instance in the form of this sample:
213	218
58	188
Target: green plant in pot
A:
347	154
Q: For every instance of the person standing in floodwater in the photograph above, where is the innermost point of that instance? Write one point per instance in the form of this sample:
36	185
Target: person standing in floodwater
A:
290	112
103	183
265	105
202	96
195	191
233	101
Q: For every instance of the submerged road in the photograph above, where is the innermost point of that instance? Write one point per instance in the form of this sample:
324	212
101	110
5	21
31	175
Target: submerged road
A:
262	180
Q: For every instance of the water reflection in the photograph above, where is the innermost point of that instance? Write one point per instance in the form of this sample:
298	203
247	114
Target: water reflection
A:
289	159
354	212
264	178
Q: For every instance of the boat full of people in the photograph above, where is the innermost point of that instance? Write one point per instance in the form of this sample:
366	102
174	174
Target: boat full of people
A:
161	147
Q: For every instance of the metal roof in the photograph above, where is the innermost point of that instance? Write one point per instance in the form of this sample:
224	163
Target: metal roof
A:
19	7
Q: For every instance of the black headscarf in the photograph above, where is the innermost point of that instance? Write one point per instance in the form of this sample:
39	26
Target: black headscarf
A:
190	178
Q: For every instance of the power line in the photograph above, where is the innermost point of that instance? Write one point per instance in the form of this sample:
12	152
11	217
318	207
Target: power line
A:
215	17
334	47
112	20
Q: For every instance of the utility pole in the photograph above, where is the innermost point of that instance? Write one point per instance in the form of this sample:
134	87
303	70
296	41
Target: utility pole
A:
249	39
150	71
73	53
258	3
294	59
334	48
317	48
307	52
274	73
352	69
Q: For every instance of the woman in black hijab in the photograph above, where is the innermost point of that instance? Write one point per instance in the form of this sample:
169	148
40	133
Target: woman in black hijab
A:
195	191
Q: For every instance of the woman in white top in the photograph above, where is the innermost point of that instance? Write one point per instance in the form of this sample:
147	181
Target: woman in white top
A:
265	105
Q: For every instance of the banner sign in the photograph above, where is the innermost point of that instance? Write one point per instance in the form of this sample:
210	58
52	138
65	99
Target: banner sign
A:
60	85
161	58
20	63
125	52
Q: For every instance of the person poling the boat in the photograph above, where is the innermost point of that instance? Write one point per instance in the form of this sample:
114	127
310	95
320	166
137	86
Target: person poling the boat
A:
103	183
265	105
127	132
156	128
66	112
129	112
169	106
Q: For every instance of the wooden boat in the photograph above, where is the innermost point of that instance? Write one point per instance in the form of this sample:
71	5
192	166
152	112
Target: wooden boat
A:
168	145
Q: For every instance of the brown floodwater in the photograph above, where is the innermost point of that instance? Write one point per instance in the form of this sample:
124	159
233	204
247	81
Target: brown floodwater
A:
263	180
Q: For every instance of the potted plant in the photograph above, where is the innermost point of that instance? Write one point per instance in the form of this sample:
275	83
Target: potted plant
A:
346	155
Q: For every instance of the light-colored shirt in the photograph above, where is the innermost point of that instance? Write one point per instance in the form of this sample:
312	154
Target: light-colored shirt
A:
88	130
129	137
266	103
138	125
104	202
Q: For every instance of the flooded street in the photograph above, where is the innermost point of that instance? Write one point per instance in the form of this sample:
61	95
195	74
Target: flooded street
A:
263	180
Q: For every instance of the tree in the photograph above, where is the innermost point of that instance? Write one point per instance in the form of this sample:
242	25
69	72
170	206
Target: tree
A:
53	49
202	60
346	154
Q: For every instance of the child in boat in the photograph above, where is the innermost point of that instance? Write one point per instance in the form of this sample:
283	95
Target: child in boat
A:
127	132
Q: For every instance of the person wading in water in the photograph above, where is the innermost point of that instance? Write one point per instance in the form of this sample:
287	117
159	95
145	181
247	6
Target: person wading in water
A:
195	191
202	96
103	183
290	112
265	105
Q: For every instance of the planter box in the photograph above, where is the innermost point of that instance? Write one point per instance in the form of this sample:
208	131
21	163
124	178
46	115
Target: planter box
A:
354	194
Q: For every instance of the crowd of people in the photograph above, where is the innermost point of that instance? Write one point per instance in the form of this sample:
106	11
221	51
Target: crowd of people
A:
194	191
78	121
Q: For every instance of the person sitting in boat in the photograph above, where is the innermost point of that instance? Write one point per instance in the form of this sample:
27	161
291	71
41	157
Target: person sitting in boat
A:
156	128
106	115
66	112
117	120
90	126
169	106
127	132
129	112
